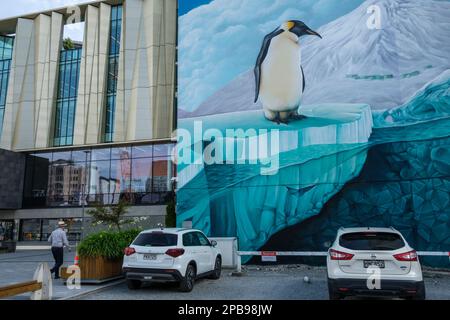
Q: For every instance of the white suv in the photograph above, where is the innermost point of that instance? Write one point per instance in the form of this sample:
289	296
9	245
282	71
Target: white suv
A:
171	255
373	261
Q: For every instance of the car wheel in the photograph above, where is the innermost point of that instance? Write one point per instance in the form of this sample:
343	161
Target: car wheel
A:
420	295
217	269
134	284
187	284
333	295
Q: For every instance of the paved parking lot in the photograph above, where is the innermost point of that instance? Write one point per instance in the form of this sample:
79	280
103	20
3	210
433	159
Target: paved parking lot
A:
268	283
258	283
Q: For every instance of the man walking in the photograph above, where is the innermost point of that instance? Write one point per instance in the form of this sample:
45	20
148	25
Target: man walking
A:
58	238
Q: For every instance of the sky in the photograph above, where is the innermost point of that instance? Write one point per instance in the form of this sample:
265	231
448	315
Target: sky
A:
221	40
21	7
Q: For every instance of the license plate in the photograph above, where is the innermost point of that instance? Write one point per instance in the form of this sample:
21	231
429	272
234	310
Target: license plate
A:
374	263
150	256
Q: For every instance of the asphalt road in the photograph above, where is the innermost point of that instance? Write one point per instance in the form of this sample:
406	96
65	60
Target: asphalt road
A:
267	283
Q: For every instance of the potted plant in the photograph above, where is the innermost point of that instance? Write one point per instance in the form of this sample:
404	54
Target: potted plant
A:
101	254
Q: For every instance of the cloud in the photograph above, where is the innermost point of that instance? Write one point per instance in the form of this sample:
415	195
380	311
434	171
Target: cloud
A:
221	40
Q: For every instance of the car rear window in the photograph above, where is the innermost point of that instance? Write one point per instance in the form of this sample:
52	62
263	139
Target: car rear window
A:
156	240
381	241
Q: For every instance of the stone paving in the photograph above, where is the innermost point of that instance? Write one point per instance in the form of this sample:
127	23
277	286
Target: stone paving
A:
20	267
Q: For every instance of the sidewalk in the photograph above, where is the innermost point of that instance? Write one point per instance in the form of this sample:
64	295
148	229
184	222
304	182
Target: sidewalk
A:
20	267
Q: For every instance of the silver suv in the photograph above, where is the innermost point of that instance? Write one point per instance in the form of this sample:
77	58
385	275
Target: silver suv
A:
373	261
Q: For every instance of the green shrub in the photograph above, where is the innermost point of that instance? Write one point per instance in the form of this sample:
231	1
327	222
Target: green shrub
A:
107	244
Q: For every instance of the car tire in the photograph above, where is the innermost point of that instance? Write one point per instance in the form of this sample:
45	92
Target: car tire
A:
421	293
217	269
333	295
134	284
187	284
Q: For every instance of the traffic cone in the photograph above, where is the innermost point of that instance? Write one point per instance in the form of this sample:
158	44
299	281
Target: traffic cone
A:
77	259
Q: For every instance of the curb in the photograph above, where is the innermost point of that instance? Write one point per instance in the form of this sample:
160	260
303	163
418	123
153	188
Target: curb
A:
96	290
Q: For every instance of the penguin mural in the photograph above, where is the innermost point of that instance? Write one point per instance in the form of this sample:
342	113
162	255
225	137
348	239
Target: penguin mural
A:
280	80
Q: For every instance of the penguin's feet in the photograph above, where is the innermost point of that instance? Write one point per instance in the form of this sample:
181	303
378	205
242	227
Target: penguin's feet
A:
270	115
284	117
298	117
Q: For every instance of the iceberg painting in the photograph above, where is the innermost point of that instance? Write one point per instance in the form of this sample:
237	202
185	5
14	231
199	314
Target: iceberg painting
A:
371	146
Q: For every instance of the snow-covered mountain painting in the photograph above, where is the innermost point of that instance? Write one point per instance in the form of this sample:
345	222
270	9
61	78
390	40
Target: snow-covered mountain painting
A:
366	145
353	63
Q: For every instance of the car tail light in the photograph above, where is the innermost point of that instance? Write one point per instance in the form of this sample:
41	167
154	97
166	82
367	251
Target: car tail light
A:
338	255
129	251
175	253
408	256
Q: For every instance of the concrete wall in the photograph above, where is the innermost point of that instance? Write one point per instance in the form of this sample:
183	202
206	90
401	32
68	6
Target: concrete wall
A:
146	85
91	101
145	97
30	101
12	172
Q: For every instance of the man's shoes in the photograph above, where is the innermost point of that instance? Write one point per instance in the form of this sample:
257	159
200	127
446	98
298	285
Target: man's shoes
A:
56	278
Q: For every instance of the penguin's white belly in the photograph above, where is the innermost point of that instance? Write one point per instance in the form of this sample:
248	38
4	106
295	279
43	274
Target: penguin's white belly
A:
281	77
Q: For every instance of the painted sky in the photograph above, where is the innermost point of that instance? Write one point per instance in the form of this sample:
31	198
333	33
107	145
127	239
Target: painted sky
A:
220	40
184	6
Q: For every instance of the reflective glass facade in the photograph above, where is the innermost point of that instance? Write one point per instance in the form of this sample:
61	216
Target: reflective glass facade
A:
113	70
69	72
139	174
6	50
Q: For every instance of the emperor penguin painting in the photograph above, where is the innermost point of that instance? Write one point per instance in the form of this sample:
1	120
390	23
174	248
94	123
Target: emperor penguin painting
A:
280	80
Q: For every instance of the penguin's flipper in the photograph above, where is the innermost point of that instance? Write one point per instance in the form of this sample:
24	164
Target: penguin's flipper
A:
262	56
304	81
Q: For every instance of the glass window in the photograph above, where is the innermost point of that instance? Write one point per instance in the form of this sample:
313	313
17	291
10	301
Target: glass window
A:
141	176
6	230
63	156
371	241
113	67
156	239
69	68
142	152
101	154
191	240
99	180
30	230
162	150
81	156
65	178
202	239
121	153
162	174
120	176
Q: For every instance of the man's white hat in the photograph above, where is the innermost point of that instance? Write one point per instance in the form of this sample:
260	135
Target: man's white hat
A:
61	224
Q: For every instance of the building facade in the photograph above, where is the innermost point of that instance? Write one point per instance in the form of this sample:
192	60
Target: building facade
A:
92	122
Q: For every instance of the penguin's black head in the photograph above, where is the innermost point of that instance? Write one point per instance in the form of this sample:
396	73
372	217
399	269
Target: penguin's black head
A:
299	28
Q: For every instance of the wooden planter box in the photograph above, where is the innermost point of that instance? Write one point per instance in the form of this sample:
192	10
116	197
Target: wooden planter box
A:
97	270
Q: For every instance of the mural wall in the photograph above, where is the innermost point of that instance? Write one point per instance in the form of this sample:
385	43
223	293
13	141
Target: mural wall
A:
297	118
